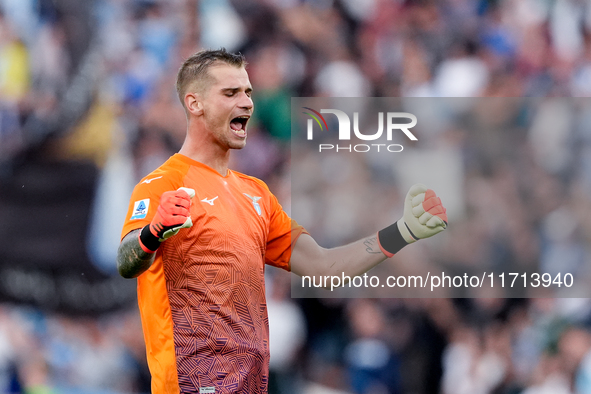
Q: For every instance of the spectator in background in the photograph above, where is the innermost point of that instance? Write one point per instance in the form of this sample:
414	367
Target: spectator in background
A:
374	367
287	332
575	356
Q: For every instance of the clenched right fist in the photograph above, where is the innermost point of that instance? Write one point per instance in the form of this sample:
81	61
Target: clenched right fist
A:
172	215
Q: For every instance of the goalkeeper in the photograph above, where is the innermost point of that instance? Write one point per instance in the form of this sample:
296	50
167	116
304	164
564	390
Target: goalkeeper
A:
198	235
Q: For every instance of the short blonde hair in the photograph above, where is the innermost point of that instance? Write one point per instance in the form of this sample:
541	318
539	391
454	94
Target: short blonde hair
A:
193	71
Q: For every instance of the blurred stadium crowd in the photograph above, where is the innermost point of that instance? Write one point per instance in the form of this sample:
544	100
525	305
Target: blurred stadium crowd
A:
93	81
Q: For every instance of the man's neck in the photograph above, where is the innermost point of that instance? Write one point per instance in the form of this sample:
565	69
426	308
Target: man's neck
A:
216	159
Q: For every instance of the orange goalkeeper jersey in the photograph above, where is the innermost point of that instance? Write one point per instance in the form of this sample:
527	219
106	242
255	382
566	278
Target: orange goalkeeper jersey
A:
202	301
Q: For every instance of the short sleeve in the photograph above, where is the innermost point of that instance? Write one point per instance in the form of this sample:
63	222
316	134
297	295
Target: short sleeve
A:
145	200
283	233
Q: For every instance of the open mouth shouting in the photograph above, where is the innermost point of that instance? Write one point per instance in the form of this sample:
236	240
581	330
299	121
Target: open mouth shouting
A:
238	125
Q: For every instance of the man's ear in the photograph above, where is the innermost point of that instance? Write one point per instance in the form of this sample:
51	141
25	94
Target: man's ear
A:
194	104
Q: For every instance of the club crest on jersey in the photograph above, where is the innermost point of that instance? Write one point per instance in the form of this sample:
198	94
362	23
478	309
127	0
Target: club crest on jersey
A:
255	203
140	209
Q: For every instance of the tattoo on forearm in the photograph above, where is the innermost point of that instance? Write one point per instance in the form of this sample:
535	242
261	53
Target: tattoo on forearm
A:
131	258
372	246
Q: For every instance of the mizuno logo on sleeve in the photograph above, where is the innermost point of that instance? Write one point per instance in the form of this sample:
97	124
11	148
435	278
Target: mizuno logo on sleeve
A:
151	179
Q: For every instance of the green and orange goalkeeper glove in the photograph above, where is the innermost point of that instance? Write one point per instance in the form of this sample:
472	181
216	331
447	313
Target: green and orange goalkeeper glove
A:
172	215
423	217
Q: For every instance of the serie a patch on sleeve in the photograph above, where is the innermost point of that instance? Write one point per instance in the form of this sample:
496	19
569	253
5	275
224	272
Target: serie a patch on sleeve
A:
140	209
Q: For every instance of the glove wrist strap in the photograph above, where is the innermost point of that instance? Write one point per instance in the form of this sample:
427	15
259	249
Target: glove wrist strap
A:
405	232
391	240
148	241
